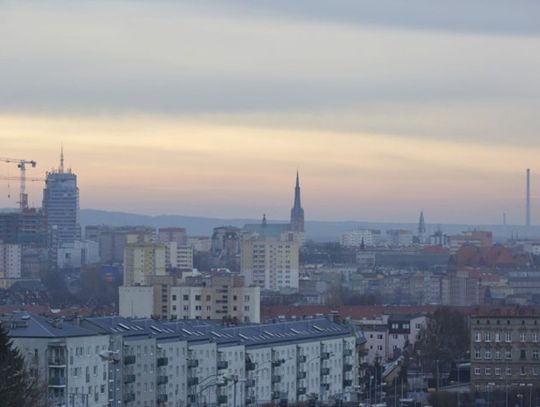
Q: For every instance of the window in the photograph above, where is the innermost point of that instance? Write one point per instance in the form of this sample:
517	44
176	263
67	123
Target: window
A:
487	336
498	355
508	354
509	371
508	337
477	354
477	337
197	298
487	371
477	371
522	354
174	297
522	371
497	371
487	355
497	337
523	337
535	371
186	297
535	354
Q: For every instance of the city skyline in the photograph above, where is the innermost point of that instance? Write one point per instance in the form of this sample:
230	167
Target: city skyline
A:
375	104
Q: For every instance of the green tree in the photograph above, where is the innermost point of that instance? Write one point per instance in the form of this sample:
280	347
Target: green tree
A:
17	389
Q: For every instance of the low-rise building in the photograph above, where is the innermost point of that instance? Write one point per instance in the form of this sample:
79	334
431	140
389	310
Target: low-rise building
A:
505	351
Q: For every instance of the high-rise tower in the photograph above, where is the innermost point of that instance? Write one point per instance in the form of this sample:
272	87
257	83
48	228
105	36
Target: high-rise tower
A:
297	213
61	204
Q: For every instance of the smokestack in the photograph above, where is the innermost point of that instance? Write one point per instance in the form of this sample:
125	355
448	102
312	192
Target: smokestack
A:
528	199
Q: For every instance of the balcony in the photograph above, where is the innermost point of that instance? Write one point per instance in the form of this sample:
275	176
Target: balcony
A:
347	352
347	367
277	363
302	358
347	383
162	380
222	364
193	381
129	360
129	397
56	361
162	398
192	363
276	379
162	361
325	355
130	378
301	375
57	381
325	371
250	365
222	399
300	391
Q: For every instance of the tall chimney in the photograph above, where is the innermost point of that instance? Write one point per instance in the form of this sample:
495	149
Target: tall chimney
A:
528	199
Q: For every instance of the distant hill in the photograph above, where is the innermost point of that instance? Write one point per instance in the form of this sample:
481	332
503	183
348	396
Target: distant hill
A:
316	230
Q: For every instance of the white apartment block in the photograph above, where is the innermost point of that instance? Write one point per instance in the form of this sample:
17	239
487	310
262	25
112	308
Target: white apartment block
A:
215	297
355	238
64	357
10	261
387	336
114	361
270	263
179	256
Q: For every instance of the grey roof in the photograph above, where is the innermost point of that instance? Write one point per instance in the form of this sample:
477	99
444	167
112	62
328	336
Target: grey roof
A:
189	330
23	324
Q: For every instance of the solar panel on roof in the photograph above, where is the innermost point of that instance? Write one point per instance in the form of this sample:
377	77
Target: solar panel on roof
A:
186	331
155	328
127	328
318	328
243	336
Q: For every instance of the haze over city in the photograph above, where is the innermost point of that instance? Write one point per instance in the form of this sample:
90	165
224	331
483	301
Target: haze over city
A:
209	109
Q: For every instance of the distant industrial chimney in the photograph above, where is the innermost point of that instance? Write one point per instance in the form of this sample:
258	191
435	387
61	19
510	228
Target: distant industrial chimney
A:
528	199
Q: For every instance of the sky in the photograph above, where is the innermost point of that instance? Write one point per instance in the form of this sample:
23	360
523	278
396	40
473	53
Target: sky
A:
208	108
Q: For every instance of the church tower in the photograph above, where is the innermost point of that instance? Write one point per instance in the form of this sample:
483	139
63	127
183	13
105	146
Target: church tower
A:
297	213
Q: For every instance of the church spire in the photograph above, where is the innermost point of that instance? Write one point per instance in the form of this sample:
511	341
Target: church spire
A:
297	213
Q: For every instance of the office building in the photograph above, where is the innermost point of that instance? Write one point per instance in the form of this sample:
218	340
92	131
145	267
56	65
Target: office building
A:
61	204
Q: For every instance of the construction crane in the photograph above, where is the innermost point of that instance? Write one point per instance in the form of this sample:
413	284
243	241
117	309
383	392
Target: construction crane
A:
21	164
13	178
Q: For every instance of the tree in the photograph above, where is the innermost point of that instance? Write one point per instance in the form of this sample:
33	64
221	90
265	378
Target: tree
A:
444	339
17	389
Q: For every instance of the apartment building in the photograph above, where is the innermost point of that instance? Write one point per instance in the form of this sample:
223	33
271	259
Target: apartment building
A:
178	256
387	336
124	362
270	263
212	296
357	238
505	351
10	263
64	356
142	260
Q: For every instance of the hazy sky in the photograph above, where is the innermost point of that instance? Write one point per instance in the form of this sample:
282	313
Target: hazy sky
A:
208	107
